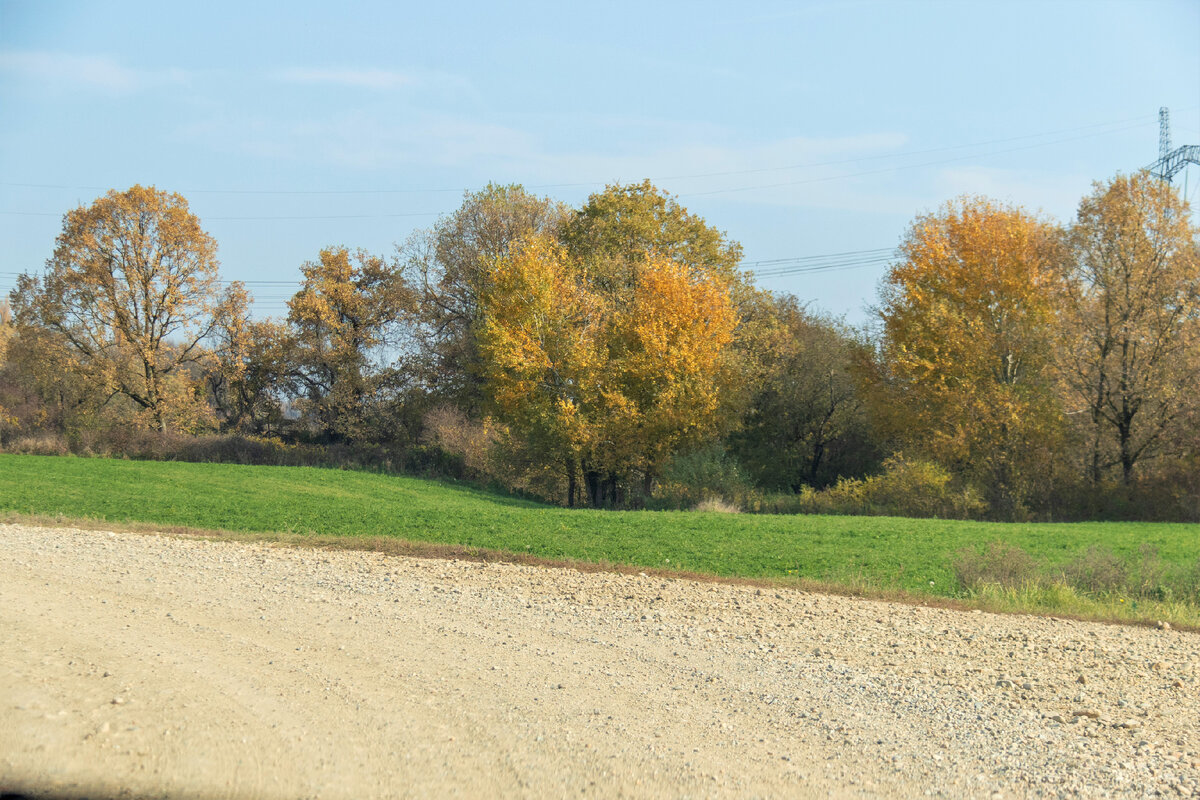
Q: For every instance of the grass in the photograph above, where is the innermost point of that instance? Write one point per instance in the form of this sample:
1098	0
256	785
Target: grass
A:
888	555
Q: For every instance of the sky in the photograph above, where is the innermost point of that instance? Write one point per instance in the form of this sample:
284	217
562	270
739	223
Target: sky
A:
811	132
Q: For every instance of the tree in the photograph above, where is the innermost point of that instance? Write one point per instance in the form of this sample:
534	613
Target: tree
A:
807	422
247	381
966	344
132	291
7	420
1130	320
606	385
541	346
44	388
448	267
619	228
346	325
668	373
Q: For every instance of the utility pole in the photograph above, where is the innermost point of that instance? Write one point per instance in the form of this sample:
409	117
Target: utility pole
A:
1171	162
1164	132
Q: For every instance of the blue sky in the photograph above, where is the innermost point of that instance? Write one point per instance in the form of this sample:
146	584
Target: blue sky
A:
801	129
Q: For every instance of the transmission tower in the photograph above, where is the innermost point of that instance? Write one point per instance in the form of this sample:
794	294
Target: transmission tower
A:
1171	162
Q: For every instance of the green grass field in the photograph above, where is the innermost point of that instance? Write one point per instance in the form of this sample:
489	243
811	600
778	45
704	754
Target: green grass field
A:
876	553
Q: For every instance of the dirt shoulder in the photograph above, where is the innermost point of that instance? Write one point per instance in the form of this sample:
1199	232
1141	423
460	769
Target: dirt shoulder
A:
152	666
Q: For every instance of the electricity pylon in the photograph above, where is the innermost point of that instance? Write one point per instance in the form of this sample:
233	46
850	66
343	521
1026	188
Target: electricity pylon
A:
1171	162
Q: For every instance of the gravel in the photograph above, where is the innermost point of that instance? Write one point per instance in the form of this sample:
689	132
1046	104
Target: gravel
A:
156	666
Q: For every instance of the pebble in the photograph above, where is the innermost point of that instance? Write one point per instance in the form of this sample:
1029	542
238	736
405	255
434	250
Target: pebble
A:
907	706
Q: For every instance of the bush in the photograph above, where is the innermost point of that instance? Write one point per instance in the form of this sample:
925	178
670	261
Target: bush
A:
149	445
997	564
716	505
472	442
44	444
709	475
905	488
1097	570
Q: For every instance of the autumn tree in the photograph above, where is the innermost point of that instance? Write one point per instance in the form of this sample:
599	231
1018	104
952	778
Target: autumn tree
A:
6	327
610	384
967	315
670	367
1130	321
346	328
7	420
541	347
247	380
619	228
448	267
808	421
132	292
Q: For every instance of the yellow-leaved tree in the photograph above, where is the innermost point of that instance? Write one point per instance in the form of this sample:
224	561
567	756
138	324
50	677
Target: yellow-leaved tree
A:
1131	322
606	384
541	346
6	332
669	370
967	345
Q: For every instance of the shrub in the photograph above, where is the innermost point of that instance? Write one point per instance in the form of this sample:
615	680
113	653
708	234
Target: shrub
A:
706	475
1149	575
42	444
1097	570
911	488
997	564
717	505
1188	583
905	488
471	441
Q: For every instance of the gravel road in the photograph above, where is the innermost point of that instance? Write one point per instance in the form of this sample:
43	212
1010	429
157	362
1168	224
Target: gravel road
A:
139	665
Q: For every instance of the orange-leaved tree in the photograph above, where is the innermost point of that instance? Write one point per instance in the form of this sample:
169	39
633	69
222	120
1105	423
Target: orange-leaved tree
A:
670	370
132	291
967	337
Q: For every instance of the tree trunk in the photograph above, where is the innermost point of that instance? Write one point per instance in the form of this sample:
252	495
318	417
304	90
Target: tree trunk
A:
571	487
815	464
1127	458
153	396
592	480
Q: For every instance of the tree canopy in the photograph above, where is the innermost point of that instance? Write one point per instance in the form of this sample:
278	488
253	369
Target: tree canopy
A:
132	291
616	355
966	341
1131	321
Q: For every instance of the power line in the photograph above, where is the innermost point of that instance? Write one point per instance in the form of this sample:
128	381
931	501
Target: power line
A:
768	269
262	218
837	266
824	256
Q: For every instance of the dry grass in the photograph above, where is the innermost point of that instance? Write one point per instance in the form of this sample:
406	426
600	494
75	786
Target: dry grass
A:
717	505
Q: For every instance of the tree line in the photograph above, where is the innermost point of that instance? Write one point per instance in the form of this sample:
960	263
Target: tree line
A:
615	355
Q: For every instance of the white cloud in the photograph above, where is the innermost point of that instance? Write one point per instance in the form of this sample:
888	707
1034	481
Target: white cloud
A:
354	78
96	72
